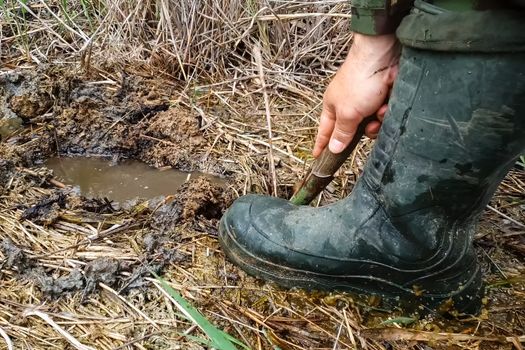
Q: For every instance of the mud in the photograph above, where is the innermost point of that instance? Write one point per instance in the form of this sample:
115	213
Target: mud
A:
199	200
47	210
160	250
103	270
26	98
87	279
30	106
97	205
56	287
128	119
15	258
20	101
202	197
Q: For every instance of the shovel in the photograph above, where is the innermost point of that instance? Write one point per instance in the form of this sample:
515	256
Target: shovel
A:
324	167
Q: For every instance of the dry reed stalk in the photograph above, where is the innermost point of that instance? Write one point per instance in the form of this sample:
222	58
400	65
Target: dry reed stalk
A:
78	345
258	60
7	340
206	39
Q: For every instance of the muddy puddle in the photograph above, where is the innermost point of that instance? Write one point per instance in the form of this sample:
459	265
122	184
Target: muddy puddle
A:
98	177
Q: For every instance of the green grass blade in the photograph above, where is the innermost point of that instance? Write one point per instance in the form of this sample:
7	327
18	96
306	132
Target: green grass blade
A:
24	10
85	9
219	339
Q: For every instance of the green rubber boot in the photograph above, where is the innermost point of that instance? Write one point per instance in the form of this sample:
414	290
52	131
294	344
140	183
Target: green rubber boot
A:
455	126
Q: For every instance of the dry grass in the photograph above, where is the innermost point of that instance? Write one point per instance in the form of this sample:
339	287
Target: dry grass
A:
182	39
201	56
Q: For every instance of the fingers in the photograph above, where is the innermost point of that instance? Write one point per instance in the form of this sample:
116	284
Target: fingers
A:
372	129
326	126
381	112
344	131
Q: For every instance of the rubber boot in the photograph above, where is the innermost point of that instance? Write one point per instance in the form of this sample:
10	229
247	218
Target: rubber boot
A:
455	126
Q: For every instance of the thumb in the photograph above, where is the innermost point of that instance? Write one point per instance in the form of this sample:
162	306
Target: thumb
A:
326	126
344	131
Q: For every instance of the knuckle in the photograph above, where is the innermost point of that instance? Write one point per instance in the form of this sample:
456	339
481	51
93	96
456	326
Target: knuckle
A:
347	125
322	137
343	132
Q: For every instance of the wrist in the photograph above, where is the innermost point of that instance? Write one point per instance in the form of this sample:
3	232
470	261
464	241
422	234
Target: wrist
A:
374	49
374	40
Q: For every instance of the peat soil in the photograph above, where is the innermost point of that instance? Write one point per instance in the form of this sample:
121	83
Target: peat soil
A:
92	261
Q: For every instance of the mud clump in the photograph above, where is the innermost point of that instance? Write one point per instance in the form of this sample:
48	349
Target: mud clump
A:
96	205
15	258
166	217
177	127
103	270
96	120
30	106
153	242
24	95
202	197
160	251
158	245
47	210
172	138
197	198
56	287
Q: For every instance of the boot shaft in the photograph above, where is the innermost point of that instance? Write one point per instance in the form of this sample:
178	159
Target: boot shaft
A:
455	126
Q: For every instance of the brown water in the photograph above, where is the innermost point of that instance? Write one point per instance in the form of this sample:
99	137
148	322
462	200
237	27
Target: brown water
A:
126	180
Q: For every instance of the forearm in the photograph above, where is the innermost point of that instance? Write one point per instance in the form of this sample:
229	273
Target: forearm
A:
378	17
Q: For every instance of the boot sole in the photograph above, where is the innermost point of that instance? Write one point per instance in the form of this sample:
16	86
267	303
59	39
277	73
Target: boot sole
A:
466	301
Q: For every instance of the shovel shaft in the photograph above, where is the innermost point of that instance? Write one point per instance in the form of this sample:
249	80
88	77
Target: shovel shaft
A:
324	167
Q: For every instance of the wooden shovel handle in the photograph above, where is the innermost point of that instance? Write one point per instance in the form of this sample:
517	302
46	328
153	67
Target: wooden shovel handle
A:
324	167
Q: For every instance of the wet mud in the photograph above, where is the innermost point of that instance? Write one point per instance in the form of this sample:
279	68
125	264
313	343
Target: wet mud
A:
15	258
118	123
130	119
47	210
104	270
198	200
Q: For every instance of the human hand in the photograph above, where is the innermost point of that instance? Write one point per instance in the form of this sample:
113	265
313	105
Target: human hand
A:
360	88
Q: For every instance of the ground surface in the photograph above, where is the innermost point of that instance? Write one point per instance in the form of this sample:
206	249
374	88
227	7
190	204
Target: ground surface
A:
85	266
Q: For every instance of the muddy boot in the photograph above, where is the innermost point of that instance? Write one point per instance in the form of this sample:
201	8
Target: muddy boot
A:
455	126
